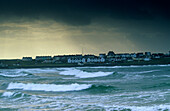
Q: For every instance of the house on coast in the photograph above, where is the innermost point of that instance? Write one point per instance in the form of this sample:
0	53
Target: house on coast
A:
27	59
43	58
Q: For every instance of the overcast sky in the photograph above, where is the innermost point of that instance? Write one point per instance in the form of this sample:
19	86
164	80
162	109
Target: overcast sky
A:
56	27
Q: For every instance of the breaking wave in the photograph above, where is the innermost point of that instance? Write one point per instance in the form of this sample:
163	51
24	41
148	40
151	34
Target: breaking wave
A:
141	72
48	87
25	72
138	108
13	94
39	70
13	75
7	94
83	74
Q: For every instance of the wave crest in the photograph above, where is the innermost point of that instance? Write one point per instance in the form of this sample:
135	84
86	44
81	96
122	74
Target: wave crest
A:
48	87
83	74
12	75
13	94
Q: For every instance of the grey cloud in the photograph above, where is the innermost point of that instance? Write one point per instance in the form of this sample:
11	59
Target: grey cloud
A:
134	24
78	12
14	28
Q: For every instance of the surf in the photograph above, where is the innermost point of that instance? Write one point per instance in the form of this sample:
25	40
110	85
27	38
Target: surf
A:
83	74
48	87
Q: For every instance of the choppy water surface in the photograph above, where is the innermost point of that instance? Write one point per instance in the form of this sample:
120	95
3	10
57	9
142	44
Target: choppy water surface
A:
117	88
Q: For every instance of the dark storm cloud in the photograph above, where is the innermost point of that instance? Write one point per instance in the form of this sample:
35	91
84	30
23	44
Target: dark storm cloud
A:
122	25
82	12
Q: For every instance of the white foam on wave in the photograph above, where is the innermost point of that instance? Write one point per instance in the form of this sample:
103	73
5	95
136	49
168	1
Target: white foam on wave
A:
13	75
165	76
131	66
141	72
25	72
48	87
137	75
109	67
36	70
83	74
139	108
7	94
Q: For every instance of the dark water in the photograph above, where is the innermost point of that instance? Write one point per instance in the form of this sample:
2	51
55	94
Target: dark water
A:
118	88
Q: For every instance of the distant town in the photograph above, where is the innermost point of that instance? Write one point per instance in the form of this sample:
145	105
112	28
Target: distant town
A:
109	58
103	57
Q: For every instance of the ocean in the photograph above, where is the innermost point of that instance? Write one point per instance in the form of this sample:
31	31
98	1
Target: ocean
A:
113	88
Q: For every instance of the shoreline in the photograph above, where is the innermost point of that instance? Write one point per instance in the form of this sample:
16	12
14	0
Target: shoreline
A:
18	64
67	66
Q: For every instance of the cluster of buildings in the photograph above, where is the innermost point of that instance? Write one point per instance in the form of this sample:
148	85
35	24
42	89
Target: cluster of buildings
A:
110	57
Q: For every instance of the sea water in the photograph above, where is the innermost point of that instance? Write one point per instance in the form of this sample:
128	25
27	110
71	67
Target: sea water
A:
116	88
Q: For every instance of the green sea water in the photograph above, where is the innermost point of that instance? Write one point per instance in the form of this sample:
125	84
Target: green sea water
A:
116	88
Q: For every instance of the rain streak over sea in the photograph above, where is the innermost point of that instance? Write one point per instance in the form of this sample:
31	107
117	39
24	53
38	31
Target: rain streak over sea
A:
115	88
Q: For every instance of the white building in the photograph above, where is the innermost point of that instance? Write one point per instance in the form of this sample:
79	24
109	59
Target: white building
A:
95	60
102	55
133	55
146	59
27	59
88	60
42	58
147	54
75	60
